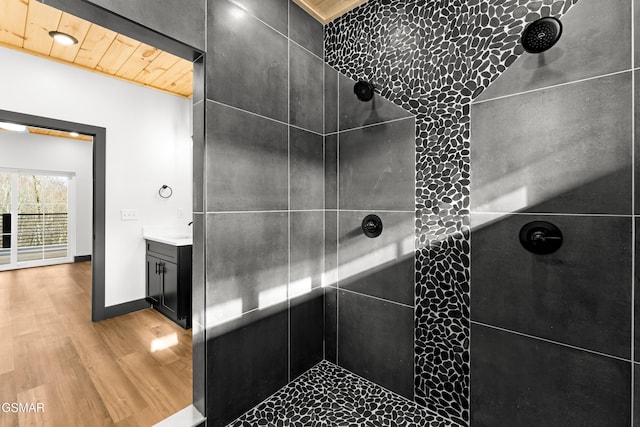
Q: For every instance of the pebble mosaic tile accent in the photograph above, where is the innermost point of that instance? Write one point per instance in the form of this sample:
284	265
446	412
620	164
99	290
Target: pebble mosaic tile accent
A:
330	396
432	58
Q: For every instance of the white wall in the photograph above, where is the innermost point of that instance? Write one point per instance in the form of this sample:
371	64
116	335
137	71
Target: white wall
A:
40	152
148	145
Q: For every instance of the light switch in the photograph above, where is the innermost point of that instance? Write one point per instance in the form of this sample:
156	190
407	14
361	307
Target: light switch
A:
129	215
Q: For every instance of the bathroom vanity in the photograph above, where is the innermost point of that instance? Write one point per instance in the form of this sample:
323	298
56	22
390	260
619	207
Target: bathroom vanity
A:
168	274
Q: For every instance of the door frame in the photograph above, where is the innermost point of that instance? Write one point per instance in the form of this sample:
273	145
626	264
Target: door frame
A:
99	134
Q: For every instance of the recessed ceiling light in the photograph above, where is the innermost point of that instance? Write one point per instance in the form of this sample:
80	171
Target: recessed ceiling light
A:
74	134
13	127
63	38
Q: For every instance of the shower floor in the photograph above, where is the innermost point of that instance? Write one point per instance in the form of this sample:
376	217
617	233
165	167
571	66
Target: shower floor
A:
330	396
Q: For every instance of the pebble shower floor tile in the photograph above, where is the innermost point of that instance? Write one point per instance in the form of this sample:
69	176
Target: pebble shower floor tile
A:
330	396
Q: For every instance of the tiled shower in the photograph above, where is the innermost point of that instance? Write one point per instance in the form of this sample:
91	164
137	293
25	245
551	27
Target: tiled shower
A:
445	319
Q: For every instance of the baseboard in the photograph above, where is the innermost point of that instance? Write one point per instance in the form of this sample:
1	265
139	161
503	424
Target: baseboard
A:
81	258
125	308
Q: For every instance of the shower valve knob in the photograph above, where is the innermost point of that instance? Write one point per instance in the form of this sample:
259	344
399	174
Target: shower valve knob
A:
372	226
541	237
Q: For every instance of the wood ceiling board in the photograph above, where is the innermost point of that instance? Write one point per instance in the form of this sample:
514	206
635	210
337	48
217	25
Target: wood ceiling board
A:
172	75
156	68
326	11
25	26
59	134
183	86
138	61
12	29
118	53
94	46
40	20
75	27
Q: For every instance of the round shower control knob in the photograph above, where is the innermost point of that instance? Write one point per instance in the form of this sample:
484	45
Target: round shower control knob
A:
541	237
372	226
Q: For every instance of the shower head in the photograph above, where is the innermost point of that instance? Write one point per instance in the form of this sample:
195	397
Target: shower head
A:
541	35
364	91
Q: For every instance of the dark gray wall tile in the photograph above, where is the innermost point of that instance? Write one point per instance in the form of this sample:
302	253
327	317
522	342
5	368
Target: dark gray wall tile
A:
578	54
331	324
272	12
306	89
198	366
330	248
377	167
330	99
307	330
383	266
182	21
306	251
636	125
198	310
331	172
244	367
198	156
247	262
636	396
305	30
525	382
199	77
636	43
248	63
355	113
246	161
565	149
636	303
198	270
306	167
375	341
579	295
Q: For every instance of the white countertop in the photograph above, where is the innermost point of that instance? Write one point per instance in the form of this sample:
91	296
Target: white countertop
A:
175	236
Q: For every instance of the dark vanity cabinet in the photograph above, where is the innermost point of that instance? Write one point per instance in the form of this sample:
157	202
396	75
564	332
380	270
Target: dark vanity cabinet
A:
169	281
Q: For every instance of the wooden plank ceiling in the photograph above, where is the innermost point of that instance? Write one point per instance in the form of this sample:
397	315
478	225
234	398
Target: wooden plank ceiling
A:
25	26
326	11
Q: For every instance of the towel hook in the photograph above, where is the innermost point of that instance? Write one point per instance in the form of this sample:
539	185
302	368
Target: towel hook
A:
165	191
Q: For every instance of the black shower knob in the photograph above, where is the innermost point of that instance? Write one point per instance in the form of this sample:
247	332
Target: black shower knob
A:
541	237
372	226
364	91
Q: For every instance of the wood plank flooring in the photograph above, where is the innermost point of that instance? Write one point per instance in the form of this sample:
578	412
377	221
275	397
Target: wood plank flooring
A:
133	370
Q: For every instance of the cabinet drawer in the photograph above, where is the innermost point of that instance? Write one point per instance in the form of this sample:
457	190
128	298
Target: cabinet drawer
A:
167	252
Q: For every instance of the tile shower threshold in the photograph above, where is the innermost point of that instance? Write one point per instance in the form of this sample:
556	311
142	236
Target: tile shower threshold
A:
330	396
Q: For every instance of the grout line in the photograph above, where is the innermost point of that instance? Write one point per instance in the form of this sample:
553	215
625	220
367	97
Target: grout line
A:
369	210
324	201
288	194
371	125
337	221
265	211
552	86
550	214
288	37
265	117
633	210
574	347
371	296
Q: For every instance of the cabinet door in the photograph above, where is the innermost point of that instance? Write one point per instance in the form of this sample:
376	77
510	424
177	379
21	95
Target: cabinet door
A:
170	286
154	283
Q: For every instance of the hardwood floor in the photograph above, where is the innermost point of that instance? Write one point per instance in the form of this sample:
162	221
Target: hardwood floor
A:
133	370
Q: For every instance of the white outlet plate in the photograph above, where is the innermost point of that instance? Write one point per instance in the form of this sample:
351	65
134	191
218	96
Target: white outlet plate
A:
129	215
